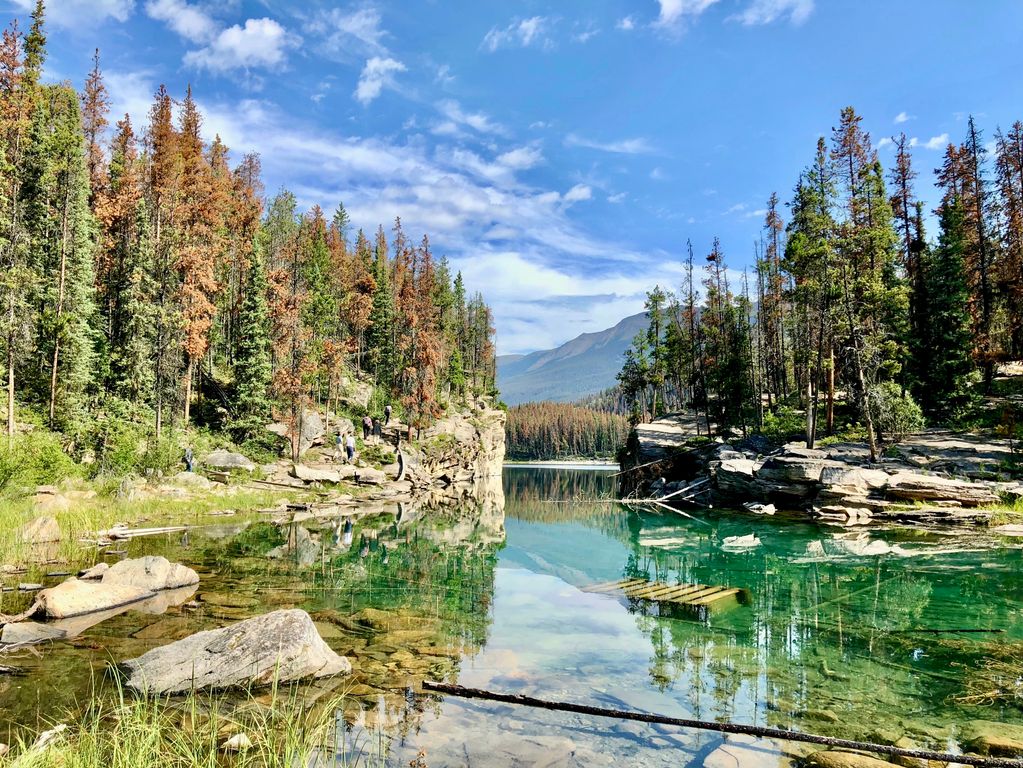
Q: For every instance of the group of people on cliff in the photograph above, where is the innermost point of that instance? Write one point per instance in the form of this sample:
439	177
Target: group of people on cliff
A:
371	427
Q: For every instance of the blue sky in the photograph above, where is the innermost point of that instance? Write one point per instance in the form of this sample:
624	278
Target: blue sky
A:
559	153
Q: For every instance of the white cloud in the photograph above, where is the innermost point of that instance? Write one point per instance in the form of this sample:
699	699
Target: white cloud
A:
769	11
884	142
903	117
524	33
585	33
626	24
189	21
935	142
79	13
457	116
260	43
377	73
619	198
521	159
657	174
624	147
672	11
578	193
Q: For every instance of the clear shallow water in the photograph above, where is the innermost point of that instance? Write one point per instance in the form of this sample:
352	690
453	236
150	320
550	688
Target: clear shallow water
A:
489	596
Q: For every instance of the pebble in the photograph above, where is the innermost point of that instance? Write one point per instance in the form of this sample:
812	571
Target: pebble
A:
238	743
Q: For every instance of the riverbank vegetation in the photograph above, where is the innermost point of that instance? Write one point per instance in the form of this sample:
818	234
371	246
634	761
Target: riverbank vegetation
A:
147	287
545	430
852	304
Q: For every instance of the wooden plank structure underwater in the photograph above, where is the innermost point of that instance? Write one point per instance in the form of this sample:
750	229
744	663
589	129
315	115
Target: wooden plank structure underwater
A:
690	598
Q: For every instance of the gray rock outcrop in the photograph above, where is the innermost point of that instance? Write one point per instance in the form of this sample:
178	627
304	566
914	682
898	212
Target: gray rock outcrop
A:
152	573
282	646
228	460
41	530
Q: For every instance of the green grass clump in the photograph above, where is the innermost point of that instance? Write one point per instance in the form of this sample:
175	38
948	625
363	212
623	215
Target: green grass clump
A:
130	732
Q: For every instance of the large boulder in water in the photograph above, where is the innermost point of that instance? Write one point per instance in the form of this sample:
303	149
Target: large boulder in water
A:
75	598
152	573
282	646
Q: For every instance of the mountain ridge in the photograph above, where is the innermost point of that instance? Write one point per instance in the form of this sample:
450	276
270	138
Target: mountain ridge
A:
582	366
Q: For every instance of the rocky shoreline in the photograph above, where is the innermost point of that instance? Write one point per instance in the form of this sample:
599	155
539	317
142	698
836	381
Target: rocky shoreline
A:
940	478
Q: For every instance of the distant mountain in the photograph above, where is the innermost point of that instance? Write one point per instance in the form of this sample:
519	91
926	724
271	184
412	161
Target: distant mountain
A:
583	366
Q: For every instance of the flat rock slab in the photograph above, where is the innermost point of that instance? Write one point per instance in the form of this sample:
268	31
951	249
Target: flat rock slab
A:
152	573
75	598
919	487
282	646
309	474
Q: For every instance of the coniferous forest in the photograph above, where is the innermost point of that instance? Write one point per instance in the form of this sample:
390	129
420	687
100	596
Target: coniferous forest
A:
146	279
852	304
547	430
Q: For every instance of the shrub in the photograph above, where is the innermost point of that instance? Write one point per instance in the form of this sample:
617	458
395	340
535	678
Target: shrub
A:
35	458
895	413
783	423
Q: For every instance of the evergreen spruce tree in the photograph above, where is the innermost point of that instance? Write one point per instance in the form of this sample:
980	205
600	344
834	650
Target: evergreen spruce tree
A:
948	392
252	370
380	336
131	365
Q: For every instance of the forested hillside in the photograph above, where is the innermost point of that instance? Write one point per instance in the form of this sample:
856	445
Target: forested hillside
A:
145	280
851	301
548	430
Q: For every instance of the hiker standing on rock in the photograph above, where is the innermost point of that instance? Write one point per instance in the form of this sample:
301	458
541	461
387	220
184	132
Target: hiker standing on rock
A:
387	414
367	427
376	428
350	448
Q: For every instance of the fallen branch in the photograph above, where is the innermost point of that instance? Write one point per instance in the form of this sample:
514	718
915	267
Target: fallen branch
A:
706	725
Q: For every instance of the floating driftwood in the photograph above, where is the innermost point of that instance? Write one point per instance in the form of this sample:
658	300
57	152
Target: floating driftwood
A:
124	532
708	725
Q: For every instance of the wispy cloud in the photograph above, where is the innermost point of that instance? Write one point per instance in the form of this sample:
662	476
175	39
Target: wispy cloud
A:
348	35
456	116
626	24
615	199
935	142
378	73
884	142
578	193
903	117
81	13
636	146
768	11
519	33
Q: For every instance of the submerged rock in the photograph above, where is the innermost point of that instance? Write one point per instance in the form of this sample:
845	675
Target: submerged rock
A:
836	758
30	633
987	737
282	646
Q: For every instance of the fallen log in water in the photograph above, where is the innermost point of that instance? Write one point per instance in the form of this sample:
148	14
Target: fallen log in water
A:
707	725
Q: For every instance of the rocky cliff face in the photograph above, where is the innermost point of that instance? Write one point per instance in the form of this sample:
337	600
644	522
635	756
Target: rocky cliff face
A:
458	452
